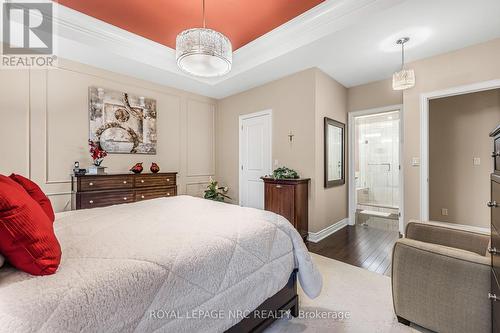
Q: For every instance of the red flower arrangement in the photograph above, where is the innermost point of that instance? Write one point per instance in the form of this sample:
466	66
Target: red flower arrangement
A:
97	153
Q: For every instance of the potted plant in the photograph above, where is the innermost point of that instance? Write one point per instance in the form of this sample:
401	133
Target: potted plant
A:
97	154
215	192
285	173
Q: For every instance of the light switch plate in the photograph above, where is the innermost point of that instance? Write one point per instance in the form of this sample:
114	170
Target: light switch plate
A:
444	211
415	161
476	161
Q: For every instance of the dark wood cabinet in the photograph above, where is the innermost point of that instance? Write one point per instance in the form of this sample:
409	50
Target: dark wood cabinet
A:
494	205
288	198
91	191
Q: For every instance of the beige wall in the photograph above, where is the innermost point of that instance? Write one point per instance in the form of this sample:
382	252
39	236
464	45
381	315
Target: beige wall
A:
473	64
477	63
44	127
298	103
458	132
330	204
291	100
373	95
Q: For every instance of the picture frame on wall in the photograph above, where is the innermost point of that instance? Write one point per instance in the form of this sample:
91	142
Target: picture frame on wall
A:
121	122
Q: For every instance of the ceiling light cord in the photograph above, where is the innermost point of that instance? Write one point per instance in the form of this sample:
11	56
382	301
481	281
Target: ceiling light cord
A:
402	42
204	22
403	55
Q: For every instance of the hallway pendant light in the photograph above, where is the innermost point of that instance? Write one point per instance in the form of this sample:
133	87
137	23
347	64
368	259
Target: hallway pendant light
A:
203	52
405	78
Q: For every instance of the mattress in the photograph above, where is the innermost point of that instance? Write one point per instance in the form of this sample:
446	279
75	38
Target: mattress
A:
179	264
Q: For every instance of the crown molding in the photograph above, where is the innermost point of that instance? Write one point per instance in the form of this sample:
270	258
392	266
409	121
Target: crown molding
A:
73	25
326	18
89	40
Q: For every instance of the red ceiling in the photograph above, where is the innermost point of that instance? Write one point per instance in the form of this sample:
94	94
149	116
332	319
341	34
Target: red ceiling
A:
161	20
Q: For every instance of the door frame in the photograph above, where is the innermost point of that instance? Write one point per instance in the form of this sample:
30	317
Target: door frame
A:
241	118
424	133
351	164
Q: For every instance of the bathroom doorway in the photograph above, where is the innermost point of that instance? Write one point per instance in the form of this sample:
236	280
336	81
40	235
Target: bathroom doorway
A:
375	191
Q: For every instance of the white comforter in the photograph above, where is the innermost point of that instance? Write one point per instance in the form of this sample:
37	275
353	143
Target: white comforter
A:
157	265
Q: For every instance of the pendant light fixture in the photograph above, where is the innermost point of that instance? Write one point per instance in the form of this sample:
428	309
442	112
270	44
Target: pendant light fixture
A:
405	78
203	52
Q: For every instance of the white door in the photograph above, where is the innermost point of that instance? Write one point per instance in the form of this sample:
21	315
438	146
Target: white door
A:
255	157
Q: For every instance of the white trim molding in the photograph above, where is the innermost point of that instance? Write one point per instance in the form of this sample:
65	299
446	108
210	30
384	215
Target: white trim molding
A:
424	133
351	172
315	237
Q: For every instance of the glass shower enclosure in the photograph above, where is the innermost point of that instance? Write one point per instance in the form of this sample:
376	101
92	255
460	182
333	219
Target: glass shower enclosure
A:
377	169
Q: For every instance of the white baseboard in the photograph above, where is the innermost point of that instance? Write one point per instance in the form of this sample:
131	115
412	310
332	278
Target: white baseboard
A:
317	236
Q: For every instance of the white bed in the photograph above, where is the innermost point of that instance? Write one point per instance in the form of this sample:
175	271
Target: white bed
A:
146	266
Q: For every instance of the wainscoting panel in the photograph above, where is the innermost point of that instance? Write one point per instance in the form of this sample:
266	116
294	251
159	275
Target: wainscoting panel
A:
196	189
14	122
200	138
45	128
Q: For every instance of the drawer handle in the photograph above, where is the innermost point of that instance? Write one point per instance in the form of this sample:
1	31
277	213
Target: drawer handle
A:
142	180
492	204
91	202
493	297
168	179
168	194
142	197
125	198
495	154
278	186
493	250
124	182
91	184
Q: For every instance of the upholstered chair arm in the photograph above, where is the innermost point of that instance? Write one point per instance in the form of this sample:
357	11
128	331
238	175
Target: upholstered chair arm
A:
448	236
441	288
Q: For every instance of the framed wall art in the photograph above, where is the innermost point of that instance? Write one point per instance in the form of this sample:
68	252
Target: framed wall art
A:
122	123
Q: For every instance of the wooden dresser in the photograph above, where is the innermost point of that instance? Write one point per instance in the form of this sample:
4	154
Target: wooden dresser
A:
91	191
494	205
288	198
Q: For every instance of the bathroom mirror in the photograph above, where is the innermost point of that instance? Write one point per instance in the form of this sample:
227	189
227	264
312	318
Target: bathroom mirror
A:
334	152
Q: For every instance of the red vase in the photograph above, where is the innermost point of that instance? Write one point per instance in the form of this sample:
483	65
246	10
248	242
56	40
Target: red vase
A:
154	168
137	168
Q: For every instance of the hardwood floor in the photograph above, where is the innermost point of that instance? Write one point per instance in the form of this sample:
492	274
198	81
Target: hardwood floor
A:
365	247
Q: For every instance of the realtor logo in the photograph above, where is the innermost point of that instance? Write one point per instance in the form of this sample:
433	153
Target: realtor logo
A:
27	29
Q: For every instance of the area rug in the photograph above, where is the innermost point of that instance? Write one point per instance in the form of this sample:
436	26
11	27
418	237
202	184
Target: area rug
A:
353	300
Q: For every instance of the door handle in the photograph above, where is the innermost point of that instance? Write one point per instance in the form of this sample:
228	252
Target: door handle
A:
495	154
492	204
493	250
493	297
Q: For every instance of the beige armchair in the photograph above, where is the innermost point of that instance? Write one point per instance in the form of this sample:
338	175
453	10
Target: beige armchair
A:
441	279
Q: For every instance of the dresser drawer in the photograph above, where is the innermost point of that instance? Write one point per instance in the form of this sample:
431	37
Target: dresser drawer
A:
496	153
155	193
495	305
495	200
100	183
495	245
280	200
102	199
154	180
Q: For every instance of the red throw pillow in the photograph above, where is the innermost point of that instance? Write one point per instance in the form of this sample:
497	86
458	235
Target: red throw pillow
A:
27	238
36	193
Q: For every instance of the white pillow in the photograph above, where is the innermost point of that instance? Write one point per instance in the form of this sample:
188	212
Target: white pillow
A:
2	260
